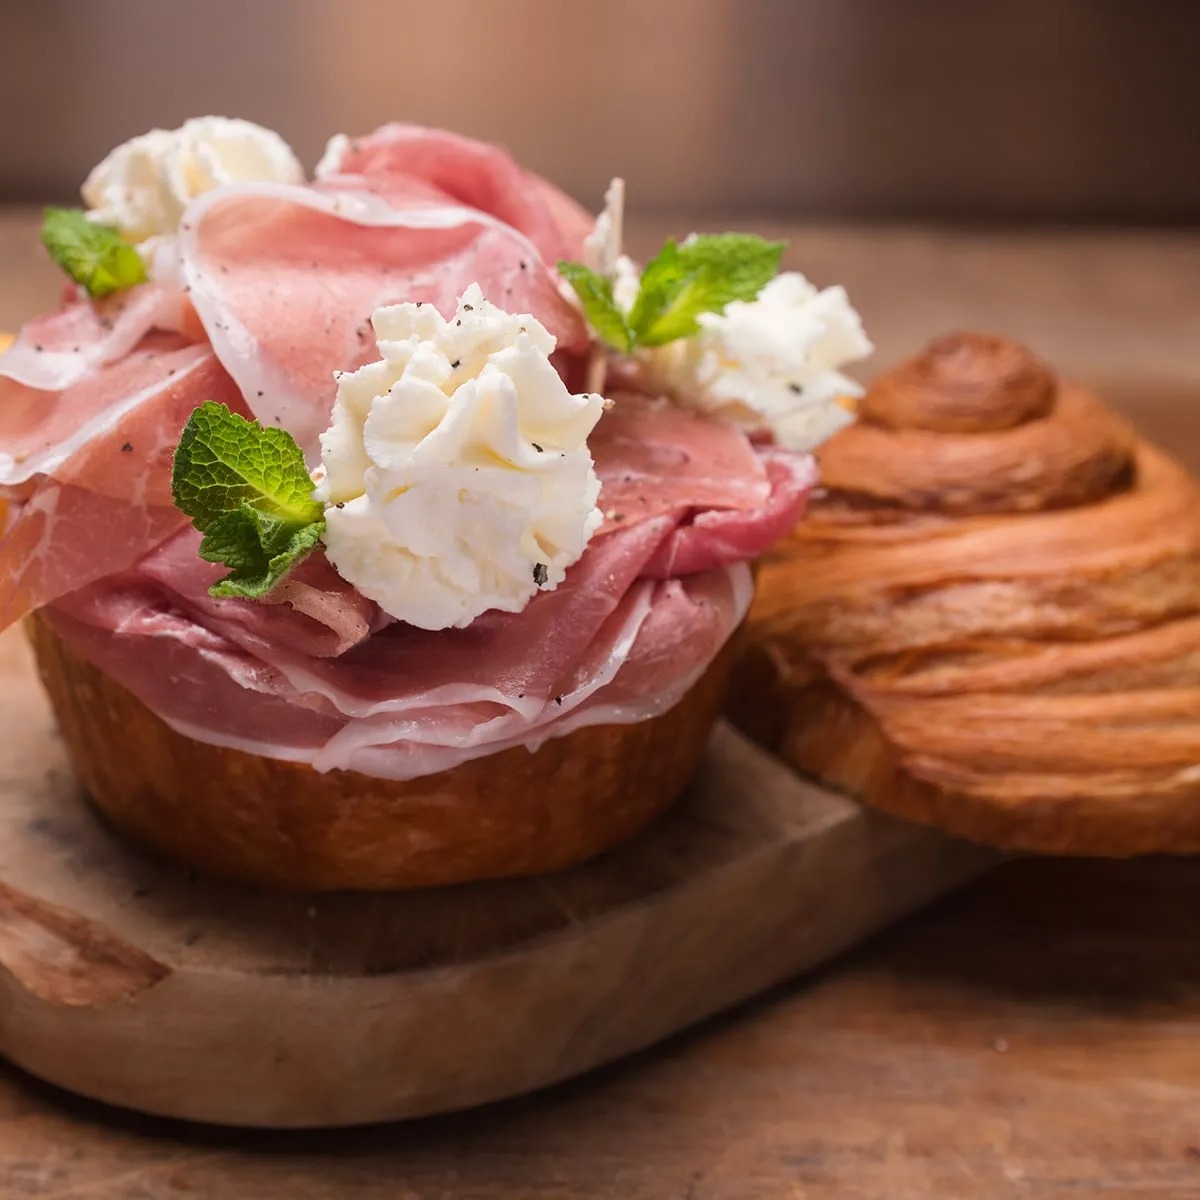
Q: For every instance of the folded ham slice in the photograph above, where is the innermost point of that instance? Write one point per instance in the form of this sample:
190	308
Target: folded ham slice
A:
338	685
285	280
55	352
398	708
469	172
87	471
267	291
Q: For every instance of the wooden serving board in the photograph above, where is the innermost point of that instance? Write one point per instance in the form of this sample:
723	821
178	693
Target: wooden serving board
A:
134	982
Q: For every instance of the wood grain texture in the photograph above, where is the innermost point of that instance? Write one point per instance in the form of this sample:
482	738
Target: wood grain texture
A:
1035	1037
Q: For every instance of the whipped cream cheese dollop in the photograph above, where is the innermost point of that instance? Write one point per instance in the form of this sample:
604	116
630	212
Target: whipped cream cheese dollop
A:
456	471
143	186
771	364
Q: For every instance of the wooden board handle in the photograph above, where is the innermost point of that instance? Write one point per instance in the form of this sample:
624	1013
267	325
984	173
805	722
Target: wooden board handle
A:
64	958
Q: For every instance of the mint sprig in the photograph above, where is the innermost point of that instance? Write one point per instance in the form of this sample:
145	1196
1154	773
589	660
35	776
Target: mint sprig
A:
96	256
682	282
248	491
595	293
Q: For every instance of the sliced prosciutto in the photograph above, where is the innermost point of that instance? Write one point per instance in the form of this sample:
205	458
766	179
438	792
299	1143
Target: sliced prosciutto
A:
54	352
469	172
622	638
87	470
399	709
285	280
265	292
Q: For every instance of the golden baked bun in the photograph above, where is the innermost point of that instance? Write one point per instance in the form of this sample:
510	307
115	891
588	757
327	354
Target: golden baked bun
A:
989	621
283	824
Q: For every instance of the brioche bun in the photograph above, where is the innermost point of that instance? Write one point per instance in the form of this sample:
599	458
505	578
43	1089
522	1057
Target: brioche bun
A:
285	825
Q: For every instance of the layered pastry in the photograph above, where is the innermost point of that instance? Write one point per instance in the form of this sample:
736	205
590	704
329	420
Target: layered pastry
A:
391	528
990	619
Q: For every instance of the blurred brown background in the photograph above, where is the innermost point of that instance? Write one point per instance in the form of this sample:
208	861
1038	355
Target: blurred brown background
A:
1086	110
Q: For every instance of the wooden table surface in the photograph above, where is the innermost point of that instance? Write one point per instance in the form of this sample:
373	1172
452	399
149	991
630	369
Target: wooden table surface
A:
1035	1036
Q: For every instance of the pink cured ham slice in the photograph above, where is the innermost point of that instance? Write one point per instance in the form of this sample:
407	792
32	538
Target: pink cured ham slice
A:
233	699
659	641
653	457
55	352
737	535
285	280
470	172
639	660
687	622
314	612
506	660
638	618
711	500
730	500
45	433
88	469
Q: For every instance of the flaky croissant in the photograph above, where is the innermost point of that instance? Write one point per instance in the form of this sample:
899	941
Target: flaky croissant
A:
990	620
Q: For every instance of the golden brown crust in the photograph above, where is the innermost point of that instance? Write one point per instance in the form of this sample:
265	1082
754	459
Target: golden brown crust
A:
285	825
995	631
962	383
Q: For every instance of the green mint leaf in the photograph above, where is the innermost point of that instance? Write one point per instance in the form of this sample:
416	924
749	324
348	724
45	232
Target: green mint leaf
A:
702	275
595	293
248	491
663	278
257	573
95	256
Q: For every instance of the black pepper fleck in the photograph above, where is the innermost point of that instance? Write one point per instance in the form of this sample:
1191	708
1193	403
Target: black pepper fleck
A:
541	574
558	701
340	504
468	308
127	448
456	364
537	447
795	388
